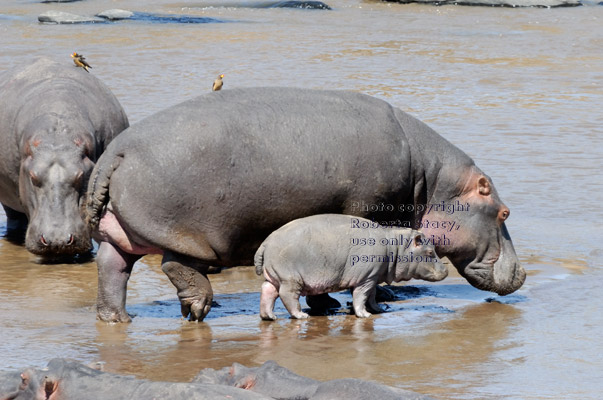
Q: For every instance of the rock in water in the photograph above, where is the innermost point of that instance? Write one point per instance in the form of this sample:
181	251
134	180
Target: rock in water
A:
60	17
115	14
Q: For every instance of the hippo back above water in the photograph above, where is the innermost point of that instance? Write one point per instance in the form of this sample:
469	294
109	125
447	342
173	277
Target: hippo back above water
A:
206	181
55	121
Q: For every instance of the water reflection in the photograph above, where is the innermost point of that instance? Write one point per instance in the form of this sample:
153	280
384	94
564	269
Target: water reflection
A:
446	355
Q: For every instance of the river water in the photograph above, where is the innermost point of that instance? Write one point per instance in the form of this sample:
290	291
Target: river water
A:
518	89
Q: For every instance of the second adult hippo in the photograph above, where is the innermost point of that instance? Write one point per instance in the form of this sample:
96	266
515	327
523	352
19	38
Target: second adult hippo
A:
55	121
206	181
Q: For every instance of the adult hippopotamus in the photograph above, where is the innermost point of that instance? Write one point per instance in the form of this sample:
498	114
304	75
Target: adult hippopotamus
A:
206	181
55	121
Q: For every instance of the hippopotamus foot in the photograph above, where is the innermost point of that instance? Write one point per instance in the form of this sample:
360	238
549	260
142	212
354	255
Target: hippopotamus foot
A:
322	302
189	276
16	225
361	295
383	293
267	300
114	269
289	295
372	305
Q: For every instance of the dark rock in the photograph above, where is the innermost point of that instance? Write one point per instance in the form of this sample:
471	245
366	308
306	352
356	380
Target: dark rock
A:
172	19
117	15
310	5
497	3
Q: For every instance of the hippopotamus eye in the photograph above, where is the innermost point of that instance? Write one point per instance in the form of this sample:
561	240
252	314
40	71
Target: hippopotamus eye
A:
35	180
504	214
77	181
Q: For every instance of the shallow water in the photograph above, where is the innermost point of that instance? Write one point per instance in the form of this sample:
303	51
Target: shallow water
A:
519	90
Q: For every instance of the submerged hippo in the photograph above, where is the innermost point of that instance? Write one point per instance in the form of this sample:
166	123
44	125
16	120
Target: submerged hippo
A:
274	381
55	121
68	380
332	252
206	181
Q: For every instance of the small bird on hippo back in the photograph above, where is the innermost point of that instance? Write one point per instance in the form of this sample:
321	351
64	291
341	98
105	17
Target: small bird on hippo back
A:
80	61
218	83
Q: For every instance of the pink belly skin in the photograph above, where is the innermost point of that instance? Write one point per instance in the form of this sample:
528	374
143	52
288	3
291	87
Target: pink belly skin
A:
110	230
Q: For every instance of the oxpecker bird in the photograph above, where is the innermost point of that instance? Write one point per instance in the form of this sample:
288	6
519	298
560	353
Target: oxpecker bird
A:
218	83
80	61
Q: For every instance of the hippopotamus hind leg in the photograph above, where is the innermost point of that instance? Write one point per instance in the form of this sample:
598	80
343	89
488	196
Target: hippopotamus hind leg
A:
189	276
114	269
289	295
267	300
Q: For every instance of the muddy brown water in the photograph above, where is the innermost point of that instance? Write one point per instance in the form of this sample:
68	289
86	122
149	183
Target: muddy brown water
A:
519	90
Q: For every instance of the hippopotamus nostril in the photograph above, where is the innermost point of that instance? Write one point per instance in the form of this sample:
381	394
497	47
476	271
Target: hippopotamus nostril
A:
43	240
70	241
504	214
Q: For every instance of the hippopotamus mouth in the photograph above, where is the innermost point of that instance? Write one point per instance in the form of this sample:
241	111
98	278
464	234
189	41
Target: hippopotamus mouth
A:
496	268
482	276
503	276
73	246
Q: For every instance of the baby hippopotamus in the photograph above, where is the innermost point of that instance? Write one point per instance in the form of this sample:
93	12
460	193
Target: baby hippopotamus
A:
332	252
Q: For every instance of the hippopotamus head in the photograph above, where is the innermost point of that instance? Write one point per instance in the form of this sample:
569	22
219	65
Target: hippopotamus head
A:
21	386
52	181
423	262
467	221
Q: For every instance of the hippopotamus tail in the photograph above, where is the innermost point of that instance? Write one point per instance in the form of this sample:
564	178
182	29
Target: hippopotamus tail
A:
258	260
98	190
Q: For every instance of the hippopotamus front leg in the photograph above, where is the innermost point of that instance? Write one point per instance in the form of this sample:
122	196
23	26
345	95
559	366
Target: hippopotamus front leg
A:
361	295
16	224
114	268
189	276
372	306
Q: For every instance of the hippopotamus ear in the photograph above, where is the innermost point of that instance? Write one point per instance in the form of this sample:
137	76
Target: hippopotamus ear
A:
85	145
247	382
97	365
418	239
483	186
29	147
25	378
